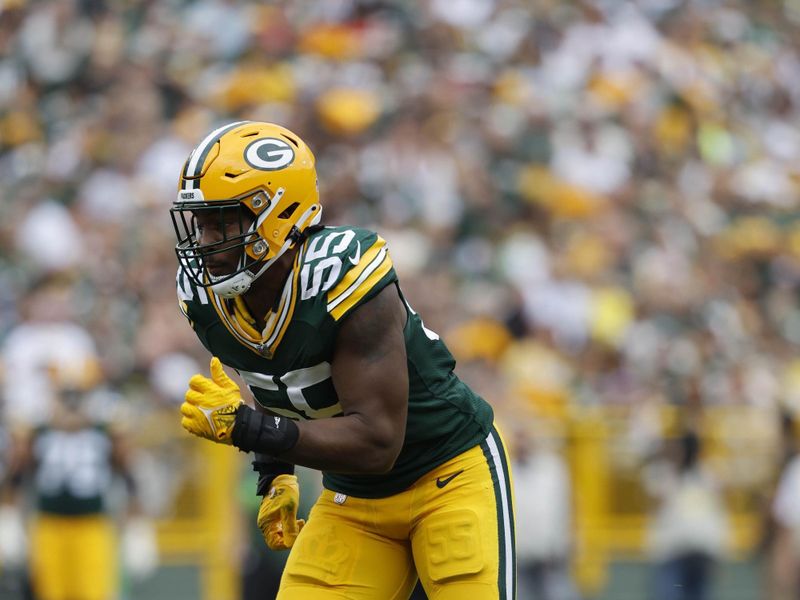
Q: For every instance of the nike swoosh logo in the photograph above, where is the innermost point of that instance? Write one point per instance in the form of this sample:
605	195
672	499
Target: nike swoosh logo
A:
440	483
357	256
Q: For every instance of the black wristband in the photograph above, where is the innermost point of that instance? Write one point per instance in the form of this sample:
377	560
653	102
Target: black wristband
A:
268	468
255	431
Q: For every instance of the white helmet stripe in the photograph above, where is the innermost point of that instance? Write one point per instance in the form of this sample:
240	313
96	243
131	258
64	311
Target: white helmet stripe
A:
195	163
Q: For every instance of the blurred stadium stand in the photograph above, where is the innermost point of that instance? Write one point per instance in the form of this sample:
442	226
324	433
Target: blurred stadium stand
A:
595	202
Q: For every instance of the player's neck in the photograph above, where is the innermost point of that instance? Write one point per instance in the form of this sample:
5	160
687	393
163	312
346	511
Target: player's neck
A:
265	291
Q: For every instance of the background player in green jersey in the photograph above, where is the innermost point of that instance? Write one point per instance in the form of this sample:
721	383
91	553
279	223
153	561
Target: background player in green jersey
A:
69	465
346	379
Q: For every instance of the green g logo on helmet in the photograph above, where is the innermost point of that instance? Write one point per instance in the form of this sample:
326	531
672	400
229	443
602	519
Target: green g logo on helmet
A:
269	154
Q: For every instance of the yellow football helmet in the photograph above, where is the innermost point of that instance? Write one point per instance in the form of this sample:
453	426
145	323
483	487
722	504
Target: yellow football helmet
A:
250	166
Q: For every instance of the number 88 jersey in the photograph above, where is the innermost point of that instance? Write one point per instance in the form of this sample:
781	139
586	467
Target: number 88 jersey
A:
287	366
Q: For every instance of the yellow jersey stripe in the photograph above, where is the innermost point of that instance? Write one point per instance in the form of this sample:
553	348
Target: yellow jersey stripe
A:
237	322
353	274
243	318
283	323
287	307
365	273
347	301
272	319
228	321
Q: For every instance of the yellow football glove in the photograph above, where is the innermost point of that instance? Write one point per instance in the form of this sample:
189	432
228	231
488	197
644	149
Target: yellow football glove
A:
209	409
277	517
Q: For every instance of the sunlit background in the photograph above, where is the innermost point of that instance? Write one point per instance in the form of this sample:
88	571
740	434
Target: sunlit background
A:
595	203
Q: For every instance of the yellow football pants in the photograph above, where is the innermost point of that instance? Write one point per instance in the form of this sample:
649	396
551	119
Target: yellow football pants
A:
73	558
454	529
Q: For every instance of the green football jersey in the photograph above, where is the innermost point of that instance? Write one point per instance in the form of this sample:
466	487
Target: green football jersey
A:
73	470
287	366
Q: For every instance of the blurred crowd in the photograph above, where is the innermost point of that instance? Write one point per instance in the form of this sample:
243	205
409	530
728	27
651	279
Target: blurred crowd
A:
594	201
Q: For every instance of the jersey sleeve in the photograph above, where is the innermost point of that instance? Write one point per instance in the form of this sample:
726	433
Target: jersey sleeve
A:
367	269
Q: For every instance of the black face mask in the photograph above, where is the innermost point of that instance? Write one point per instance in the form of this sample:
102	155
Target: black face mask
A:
236	225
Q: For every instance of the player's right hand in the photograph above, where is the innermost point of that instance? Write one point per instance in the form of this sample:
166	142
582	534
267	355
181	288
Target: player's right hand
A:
209	409
277	516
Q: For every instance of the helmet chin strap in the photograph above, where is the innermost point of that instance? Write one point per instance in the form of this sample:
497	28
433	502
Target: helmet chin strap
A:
241	282
235	286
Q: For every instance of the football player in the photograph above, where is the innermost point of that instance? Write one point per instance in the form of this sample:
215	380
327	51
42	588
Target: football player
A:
69	463
346	379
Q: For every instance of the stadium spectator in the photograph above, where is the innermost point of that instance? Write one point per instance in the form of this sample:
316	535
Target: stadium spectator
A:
544	509
689	531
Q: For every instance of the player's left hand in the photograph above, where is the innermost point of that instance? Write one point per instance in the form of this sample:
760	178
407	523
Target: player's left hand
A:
210	405
277	516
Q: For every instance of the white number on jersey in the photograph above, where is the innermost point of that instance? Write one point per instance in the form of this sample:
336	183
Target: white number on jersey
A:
312	282
75	462
313	285
321	245
296	381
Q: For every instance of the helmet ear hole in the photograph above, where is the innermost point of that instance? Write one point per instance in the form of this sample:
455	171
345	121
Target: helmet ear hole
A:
259	201
289	211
